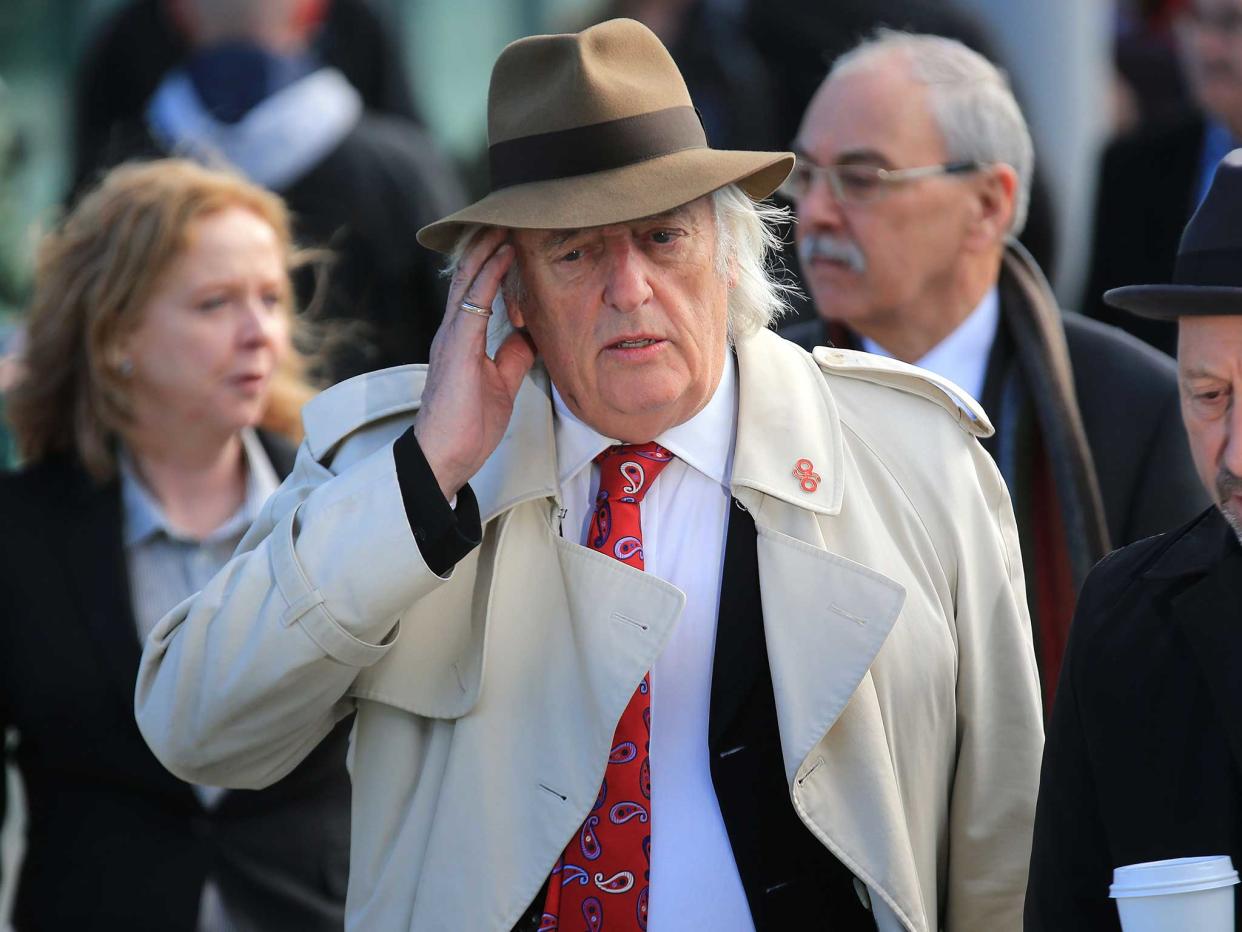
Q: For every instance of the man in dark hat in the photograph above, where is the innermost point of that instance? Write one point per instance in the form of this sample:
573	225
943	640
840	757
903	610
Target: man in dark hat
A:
673	627
1144	753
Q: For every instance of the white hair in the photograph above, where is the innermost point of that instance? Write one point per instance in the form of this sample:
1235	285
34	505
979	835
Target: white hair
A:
746	244
971	101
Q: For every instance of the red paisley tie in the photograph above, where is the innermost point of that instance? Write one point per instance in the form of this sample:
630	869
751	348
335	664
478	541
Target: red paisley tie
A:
600	884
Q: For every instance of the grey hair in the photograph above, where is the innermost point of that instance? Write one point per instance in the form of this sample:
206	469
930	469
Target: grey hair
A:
971	101
747	240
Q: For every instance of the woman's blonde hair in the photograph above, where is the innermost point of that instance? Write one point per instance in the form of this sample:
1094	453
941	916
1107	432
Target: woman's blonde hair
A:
94	274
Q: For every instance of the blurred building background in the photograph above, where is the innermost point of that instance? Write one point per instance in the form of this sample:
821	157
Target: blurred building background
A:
1057	51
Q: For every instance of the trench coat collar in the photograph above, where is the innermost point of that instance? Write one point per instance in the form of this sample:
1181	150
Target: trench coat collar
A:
788	443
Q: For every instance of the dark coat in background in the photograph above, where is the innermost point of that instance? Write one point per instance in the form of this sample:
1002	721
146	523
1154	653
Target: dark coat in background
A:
114	841
1146	193
1126	467
138	44
1144	754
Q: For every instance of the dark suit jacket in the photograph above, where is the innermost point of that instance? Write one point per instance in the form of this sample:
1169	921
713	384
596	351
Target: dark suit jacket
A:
1146	194
1145	742
113	841
1127	394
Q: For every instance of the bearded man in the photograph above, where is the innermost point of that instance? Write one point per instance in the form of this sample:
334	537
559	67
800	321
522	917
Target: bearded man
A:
650	619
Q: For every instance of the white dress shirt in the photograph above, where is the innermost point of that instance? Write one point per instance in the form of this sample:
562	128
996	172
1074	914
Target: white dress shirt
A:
962	356
694	879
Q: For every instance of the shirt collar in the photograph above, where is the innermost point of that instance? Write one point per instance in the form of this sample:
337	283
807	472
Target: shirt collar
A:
962	356
145	517
705	442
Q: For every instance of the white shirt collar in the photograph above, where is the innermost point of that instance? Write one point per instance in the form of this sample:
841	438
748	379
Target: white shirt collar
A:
962	356
705	442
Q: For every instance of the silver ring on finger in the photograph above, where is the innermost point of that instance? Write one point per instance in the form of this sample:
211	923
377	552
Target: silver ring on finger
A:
475	309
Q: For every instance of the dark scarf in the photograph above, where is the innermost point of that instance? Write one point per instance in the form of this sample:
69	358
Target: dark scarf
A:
1041	449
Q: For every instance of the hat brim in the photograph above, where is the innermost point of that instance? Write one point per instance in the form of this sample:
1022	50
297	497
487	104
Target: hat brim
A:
617	195
1169	302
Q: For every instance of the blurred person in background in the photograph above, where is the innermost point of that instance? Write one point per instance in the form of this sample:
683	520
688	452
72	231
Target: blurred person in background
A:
254	96
728	81
1150	84
135	46
1144	754
1151	180
913	178
159	398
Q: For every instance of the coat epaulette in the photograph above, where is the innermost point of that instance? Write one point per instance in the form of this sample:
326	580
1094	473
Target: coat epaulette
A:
350	405
893	373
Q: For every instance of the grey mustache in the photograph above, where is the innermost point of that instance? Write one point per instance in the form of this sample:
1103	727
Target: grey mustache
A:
833	248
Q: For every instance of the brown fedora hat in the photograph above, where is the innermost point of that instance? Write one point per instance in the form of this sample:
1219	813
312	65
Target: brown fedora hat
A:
597	127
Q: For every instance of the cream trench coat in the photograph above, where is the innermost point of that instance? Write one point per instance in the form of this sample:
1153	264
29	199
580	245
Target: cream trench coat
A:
894	614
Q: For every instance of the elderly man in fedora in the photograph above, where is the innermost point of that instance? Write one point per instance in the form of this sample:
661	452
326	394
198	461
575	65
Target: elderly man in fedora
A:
649	618
1144	756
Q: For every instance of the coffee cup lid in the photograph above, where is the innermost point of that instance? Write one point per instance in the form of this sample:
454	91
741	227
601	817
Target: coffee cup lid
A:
1175	875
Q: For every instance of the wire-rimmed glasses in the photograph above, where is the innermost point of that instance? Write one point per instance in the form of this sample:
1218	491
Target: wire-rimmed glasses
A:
858	184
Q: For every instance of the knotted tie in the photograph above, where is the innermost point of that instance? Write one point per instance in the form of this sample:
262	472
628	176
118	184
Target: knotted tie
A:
600	884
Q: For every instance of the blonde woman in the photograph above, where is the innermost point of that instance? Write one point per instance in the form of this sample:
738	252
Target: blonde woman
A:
159	398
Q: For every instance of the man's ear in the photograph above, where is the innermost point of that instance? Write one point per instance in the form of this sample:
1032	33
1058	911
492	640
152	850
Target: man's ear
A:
996	194
511	290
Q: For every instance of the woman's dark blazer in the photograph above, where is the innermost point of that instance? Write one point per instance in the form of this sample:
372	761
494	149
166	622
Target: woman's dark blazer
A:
113	841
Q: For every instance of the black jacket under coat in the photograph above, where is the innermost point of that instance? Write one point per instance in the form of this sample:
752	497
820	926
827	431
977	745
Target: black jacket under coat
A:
1144	754
113	841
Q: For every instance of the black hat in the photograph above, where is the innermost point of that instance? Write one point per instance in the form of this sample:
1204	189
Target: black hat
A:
1207	276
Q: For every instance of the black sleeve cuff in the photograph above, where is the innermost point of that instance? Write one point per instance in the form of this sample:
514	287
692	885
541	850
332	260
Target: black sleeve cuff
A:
444	535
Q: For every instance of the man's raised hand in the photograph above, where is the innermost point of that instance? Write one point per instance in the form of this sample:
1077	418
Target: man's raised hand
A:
468	398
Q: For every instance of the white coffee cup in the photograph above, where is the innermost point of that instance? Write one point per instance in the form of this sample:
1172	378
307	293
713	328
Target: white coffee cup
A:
1176	895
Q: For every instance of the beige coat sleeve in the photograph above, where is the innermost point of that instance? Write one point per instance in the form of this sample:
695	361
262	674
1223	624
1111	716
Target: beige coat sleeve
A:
238	683
1000	722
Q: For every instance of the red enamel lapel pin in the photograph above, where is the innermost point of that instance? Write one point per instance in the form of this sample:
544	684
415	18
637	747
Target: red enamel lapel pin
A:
804	472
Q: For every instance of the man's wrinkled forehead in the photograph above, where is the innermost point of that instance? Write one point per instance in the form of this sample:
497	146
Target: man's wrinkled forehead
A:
1209	346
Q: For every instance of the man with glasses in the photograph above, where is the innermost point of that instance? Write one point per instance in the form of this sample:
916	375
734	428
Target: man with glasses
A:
913	178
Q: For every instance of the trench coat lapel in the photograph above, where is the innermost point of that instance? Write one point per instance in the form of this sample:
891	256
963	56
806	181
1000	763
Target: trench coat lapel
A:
1209	612
825	619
